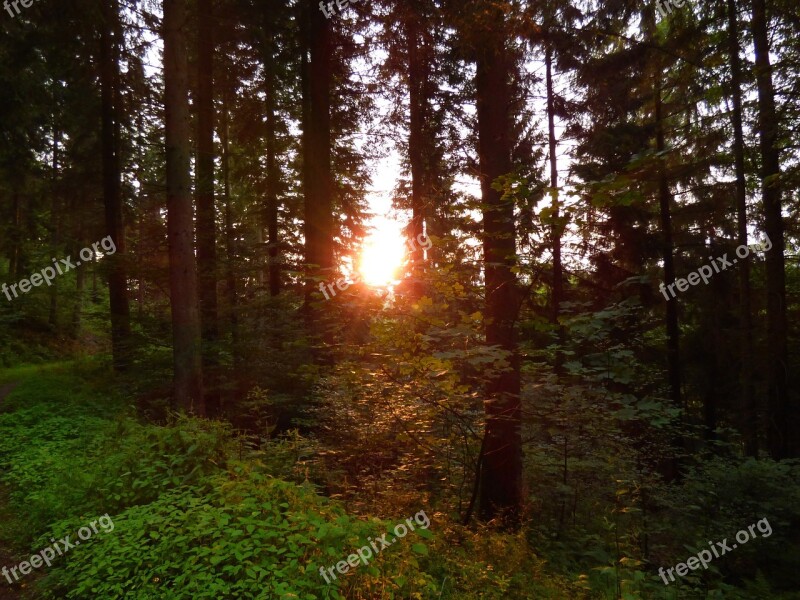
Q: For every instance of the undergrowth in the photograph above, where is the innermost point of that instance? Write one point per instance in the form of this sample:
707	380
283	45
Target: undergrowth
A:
198	513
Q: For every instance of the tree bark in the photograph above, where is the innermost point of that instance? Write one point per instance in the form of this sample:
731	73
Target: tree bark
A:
555	229
15	238
501	472
782	433
667	248
54	220
77	308
317	80
230	248
182	268
672	466
273	178
749	413
112	189
206	211
418	105
317	146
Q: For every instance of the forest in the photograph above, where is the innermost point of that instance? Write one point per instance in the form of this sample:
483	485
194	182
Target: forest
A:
399	299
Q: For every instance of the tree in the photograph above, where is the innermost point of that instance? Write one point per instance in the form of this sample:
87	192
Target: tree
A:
206	210
317	49
749	424
501	469
180	231
782	416
110	40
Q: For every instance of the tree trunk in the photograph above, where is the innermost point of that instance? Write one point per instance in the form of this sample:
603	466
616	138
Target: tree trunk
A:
782	433
418	108
317	176
77	309
749	414
54	224
555	229
501	472
206	212
182	269
16	226
672	467
230	250
273	170
317	146
112	190
667	248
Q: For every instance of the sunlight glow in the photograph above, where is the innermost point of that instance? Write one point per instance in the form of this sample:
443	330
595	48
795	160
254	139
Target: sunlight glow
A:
383	254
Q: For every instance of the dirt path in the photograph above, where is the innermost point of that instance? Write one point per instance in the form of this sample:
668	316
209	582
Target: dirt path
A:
8	558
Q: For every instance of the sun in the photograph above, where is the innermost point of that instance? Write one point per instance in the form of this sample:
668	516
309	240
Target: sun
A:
382	255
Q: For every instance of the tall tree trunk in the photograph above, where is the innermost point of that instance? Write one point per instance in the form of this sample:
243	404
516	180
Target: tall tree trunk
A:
672	468
418	109
77	309
230	249
749	414
206	212
317	177
501	472
112	190
555	229
317	145
182	268
16	226
667	249
273	169
95	289
54	222
273	181
782	434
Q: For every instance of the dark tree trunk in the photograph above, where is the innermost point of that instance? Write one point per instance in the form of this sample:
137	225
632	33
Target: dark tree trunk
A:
671	469
501	471
317	177
317	82
206	212
273	182
418	108
77	309
182	268
555	229
667	249
15	238
52	317
95	289
112	190
749	414
54	224
782	433
230	249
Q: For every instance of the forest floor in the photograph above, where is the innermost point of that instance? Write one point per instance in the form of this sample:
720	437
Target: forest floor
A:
9	556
